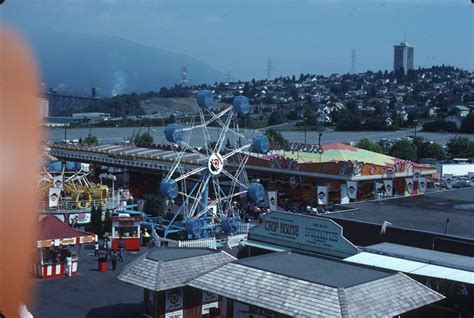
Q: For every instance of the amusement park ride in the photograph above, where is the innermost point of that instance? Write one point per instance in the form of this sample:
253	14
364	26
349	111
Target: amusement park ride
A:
206	195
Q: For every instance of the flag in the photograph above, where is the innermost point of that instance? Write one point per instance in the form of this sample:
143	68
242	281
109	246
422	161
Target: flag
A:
449	180
390	173
53	195
58	182
272	200
408	186
388	187
422	185
322	195
471	178
352	189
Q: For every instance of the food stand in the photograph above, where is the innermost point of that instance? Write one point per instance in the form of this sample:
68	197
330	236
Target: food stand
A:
126	226
53	246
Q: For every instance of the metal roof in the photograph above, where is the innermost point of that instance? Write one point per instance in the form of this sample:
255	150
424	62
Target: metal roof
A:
412	267
387	296
423	255
426	212
265	246
166	268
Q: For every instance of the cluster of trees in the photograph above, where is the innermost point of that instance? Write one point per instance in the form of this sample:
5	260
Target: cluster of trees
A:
405	149
100	223
155	205
89	139
441	125
461	147
275	138
145	139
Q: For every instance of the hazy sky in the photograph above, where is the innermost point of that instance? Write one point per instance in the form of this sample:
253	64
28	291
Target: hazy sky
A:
310	36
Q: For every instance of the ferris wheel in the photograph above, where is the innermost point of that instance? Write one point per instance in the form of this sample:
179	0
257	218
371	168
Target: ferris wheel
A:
208	191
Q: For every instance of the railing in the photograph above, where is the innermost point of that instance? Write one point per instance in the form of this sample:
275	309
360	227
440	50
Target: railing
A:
243	228
203	243
70	205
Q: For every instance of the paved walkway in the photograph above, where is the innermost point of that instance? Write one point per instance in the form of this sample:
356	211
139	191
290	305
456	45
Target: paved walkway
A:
88	294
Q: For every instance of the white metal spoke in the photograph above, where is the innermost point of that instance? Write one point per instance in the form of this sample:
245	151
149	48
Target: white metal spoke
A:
190	173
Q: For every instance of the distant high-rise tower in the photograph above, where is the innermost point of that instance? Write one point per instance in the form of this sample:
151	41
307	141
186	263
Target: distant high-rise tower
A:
403	56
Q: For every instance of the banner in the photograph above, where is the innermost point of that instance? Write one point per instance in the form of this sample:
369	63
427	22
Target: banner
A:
58	182
471	178
391	173
344	194
448	178
209	300
174	303
322	195
272	200
421	185
388	187
408	186
416	174
352	189
378	189
54	194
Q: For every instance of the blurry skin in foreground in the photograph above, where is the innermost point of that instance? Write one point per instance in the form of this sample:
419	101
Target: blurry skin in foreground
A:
20	138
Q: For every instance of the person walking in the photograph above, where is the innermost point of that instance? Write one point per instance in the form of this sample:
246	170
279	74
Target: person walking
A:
121	246
109	248
114	261
96	249
68	267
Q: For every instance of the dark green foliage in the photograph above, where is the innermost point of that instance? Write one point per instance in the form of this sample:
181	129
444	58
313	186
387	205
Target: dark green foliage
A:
144	139
154	205
468	124
403	149
461	147
439	126
276	139
275	118
90	139
366	144
426	149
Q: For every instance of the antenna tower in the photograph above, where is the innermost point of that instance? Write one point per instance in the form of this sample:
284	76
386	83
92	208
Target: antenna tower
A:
353	61
184	76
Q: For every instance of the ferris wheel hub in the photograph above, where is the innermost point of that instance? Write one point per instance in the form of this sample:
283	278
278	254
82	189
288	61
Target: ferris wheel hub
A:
215	164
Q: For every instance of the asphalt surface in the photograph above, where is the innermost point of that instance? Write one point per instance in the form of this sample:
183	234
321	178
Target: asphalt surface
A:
90	293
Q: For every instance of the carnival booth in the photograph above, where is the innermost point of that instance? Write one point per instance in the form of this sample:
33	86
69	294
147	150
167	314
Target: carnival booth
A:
126	226
57	252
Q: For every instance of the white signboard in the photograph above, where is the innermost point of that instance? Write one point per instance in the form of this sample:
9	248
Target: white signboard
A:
245	310
79	218
322	194
272	200
209	300
352	189
388	187
53	195
471	179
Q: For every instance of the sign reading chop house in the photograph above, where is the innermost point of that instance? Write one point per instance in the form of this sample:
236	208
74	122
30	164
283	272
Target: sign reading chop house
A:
307	233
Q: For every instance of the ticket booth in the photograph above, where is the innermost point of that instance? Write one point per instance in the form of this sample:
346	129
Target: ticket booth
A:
126	226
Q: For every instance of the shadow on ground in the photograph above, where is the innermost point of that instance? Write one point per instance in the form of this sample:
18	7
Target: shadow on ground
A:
117	311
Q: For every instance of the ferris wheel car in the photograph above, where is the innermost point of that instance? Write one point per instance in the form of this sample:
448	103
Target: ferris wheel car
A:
256	192
169	188
205	99
241	105
261	144
174	133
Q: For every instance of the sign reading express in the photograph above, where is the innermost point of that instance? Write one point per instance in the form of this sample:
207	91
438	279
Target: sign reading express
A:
308	233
